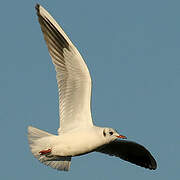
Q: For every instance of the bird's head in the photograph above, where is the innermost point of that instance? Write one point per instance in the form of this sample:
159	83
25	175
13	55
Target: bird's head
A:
112	134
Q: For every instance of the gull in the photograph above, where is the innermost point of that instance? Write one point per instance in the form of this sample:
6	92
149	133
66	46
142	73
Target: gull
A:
77	134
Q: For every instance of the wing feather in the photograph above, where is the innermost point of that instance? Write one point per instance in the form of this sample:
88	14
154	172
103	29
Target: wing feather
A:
130	151
73	78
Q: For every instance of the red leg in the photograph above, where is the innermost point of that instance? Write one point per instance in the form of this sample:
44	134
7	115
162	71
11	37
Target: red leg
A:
43	152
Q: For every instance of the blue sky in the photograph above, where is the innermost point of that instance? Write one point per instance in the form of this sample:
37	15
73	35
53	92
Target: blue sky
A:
132	49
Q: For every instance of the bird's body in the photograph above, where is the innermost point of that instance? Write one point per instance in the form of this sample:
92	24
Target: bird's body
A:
77	142
77	134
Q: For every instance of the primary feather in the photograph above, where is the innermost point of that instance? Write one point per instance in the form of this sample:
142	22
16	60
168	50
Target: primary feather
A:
73	78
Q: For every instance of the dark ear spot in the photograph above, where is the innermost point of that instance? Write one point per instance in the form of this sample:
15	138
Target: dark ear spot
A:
104	133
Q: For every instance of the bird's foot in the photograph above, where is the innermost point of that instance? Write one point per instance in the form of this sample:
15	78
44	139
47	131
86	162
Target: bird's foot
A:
45	152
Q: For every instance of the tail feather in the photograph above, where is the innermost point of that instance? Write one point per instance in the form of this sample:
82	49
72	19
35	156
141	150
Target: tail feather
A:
40	140
34	134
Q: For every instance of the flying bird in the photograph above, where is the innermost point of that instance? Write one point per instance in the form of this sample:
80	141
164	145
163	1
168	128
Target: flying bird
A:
77	134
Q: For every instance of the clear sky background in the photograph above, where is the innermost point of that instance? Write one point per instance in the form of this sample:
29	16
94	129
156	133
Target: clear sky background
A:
132	49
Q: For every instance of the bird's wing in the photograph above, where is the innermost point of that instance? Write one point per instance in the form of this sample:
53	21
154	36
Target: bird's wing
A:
60	163
130	151
73	78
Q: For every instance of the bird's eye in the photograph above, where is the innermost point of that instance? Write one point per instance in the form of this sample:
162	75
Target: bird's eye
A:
111	133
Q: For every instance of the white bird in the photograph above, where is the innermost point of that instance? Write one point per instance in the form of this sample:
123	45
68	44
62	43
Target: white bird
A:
77	135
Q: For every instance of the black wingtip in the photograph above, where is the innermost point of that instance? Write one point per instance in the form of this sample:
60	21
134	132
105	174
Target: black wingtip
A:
37	7
153	164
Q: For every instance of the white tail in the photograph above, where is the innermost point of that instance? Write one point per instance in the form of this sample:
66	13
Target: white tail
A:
40	140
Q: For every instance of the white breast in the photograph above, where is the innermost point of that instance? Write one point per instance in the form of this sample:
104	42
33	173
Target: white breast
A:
77	142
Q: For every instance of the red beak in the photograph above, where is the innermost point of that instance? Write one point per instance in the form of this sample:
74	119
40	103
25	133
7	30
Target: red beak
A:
121	137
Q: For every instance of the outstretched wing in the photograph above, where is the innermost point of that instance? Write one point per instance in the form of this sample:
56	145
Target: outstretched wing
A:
130	151
73	78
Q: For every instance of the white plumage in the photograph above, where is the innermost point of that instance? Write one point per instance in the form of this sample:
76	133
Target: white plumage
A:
77	135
